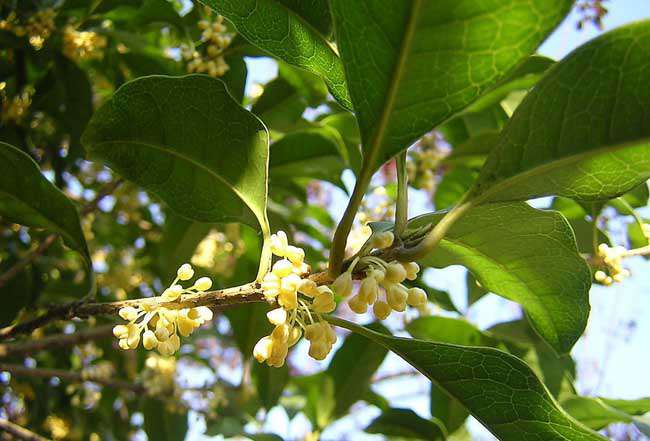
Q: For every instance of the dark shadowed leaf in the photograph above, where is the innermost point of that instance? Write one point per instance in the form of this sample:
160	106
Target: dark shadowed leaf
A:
406	424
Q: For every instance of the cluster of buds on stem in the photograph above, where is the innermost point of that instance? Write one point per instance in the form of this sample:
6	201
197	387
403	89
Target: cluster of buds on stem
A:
158	326
215	40
612	258
382	286
82	45
38	27
301	304
159	376
15	108
422	163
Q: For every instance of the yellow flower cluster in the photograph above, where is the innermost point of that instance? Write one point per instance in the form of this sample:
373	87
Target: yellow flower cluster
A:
612	258
158	376
102	370
382	279
57	427
82	45
160	326
423	162
16	108
215	39
38	28
301	304
219	250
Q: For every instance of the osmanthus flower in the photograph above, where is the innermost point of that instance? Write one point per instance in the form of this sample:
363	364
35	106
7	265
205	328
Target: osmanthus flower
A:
159	327
301	303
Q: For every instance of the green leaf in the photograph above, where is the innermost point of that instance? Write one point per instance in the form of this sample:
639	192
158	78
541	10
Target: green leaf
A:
346	124
66	95
249	324
316	153
188	141
352	368
178	242
269	382
280	29
453	186
412	64
437	296
498	389
583	132
598	413
582	228
279	106
525	255
15	293
308	85
28	198
318	389
475	291
449	330
448	410
404	423
161	424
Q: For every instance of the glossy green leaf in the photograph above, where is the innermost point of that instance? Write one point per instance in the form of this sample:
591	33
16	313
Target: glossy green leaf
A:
346	124
584	131
28	198
453	185
410	65
449	330
316	153
352	368
406	424
446	409
280	29
249	324
178	242
498	389
598	413
475	291
439	297
309	86
582	226
526	255
279	106
318	390
186	140
163	425
269	382
16	293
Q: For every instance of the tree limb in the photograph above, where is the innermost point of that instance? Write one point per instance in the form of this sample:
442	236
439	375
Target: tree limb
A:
20	432
72	377
55	341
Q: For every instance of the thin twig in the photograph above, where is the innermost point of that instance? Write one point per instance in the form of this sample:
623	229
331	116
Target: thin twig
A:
55	341
248	293
71	377
51	239
20	432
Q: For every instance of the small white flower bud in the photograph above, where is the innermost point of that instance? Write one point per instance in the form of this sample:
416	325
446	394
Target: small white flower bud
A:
395	272
295	255
120	331
279	243
358	305
416	297
282	268
342	286
172	293
185	272
368	290
412	270
308	287
203	284
277	316
382	310
128	313
149	340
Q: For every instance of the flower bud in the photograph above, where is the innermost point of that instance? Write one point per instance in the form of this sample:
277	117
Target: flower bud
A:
381	309
277	316
203	284
294	336
358	305
324	303
149	340
282	268
162	334
342	286
185	272
290	283
120	331
396	297
172	293
288	299
279	243
308	287
185	325
416	297
295	255
395	272
128	313
600	276
412	270
368	290
318	350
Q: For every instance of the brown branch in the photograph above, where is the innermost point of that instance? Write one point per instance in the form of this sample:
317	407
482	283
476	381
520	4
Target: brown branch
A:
72	377
51	239
19	432
55	341
248	293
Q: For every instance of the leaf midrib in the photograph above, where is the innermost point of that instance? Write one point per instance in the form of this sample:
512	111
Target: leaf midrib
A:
391	96
550	166
251	207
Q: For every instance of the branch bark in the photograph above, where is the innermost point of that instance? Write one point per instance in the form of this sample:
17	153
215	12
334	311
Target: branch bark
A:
72	377
20	432
55	341
247	293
